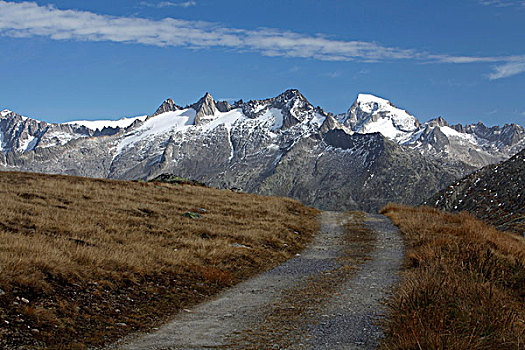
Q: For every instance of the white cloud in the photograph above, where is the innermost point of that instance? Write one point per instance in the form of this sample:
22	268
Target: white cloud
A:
164	4
332	75
464	59
509	65
507	70
28	19
503	3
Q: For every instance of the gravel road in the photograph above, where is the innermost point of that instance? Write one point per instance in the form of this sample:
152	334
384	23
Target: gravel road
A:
329	297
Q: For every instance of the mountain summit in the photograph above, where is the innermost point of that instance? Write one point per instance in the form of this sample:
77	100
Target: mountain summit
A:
167	106
374	114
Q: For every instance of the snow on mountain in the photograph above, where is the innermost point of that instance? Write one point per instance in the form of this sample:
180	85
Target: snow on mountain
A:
158	125
101	124
22	134
267	116
290	112
467	138
401	119
475	145
371	114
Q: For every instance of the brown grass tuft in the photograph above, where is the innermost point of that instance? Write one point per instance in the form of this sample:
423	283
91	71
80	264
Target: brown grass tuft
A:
463	287
97	259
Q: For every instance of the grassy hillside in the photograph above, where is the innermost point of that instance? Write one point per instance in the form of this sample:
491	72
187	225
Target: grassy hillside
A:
463	286
83	261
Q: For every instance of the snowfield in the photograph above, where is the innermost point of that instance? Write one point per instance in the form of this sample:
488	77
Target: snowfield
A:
101	124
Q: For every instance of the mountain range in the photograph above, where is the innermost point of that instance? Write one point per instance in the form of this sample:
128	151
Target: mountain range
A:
370	155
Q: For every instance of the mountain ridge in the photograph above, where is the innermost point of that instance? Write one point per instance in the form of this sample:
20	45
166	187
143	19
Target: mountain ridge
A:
281	145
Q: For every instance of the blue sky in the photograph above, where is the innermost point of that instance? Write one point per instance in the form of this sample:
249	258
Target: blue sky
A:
66	60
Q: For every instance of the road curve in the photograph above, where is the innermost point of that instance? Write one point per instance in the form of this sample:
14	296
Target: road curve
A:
329	297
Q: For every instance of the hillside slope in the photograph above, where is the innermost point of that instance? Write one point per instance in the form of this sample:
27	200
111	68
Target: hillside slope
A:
84	261
495	193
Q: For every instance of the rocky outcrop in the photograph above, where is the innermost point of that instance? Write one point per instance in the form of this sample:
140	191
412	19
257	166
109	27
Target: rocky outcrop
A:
223	106
508	135
167	106
439	121
330	123
205	109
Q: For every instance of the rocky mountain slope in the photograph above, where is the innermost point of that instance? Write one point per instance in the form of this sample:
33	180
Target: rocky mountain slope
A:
495	193
362	159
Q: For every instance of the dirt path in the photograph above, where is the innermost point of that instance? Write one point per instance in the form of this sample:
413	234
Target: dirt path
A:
329	297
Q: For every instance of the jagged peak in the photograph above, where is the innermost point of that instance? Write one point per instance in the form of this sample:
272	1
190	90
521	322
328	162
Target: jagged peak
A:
5	112
207	102
13	115
167	106
369	109
439	121
330	123
205	107
291	95
207	98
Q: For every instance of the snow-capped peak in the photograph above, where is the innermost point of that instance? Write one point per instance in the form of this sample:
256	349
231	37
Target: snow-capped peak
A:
291	94
370	114
5	112
368	100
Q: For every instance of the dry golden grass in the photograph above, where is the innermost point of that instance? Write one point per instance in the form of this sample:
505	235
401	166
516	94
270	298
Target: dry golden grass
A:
464	285
97	259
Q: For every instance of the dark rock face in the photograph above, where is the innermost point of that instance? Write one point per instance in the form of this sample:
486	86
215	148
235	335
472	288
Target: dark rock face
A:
205	107
439	121
167	106
495	193
509	134
223	106
277	146
436	138
293	105
19	132
330	123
